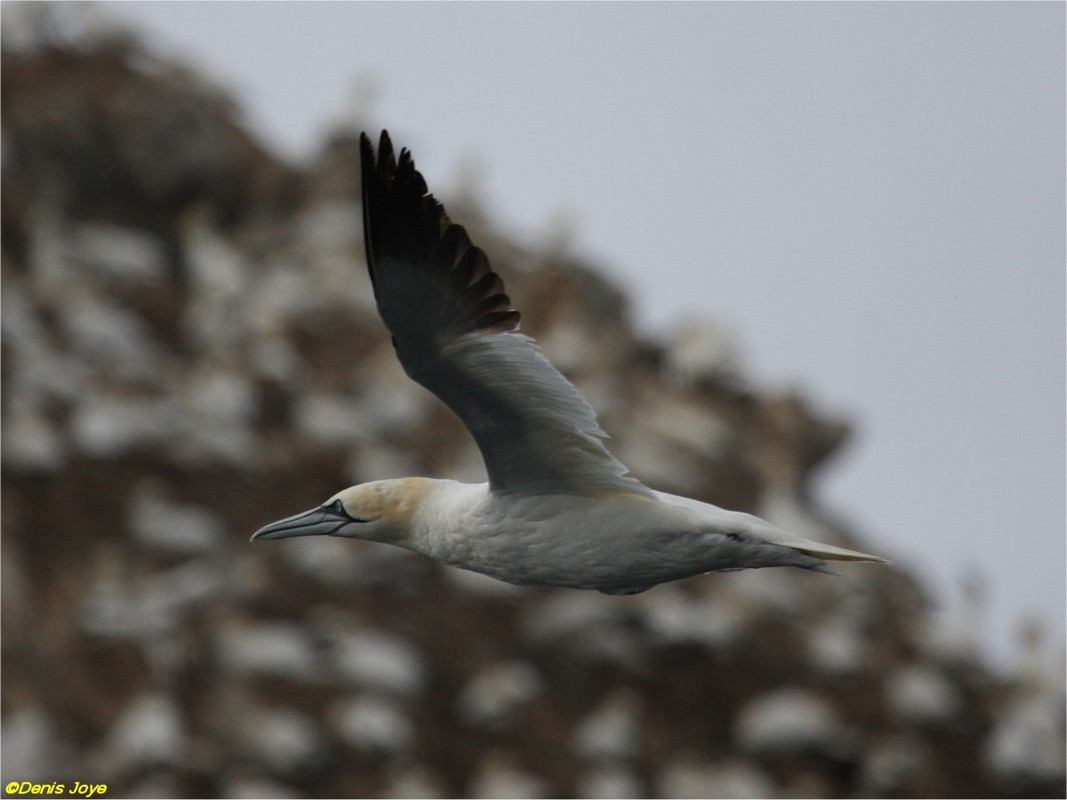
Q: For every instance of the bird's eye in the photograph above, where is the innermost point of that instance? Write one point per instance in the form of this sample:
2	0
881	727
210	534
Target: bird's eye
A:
338	508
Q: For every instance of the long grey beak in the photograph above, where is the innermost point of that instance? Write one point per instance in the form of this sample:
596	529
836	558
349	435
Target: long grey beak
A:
321	521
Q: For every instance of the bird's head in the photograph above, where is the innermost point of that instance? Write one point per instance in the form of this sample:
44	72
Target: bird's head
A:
380	511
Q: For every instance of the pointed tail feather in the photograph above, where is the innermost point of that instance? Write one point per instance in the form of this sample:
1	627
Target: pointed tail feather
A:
831	553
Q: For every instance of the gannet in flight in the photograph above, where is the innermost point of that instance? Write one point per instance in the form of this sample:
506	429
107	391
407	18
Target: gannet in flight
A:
558	509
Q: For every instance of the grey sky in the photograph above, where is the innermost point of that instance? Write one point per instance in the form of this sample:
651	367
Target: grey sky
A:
871	196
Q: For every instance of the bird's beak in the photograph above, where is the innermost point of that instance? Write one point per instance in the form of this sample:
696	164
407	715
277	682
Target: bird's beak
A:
321	521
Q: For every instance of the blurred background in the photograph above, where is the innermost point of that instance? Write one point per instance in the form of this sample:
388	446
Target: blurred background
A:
867	199
804	260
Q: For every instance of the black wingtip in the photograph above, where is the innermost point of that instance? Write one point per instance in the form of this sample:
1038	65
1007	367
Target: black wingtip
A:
386	154
380	167
385	144
403	221
368	159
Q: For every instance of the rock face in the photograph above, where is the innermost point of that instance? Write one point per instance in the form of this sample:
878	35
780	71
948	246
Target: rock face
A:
190	350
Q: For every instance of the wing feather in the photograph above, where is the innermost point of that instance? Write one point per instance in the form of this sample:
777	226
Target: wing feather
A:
456	333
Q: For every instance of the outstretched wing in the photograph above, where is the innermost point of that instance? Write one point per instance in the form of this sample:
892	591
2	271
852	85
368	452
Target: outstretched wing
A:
456	333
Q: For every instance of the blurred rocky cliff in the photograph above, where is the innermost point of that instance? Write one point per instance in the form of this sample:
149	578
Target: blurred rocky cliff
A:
190	350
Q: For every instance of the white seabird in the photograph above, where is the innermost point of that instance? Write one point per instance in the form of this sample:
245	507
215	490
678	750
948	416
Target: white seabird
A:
558	509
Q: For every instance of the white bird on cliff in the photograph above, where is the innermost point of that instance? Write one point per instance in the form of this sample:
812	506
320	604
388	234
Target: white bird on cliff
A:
558	509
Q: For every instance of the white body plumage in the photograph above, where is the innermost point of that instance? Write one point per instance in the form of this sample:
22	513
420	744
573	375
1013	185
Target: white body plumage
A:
618	544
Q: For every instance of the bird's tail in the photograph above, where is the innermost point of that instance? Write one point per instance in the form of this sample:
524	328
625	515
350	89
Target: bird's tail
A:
828	552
